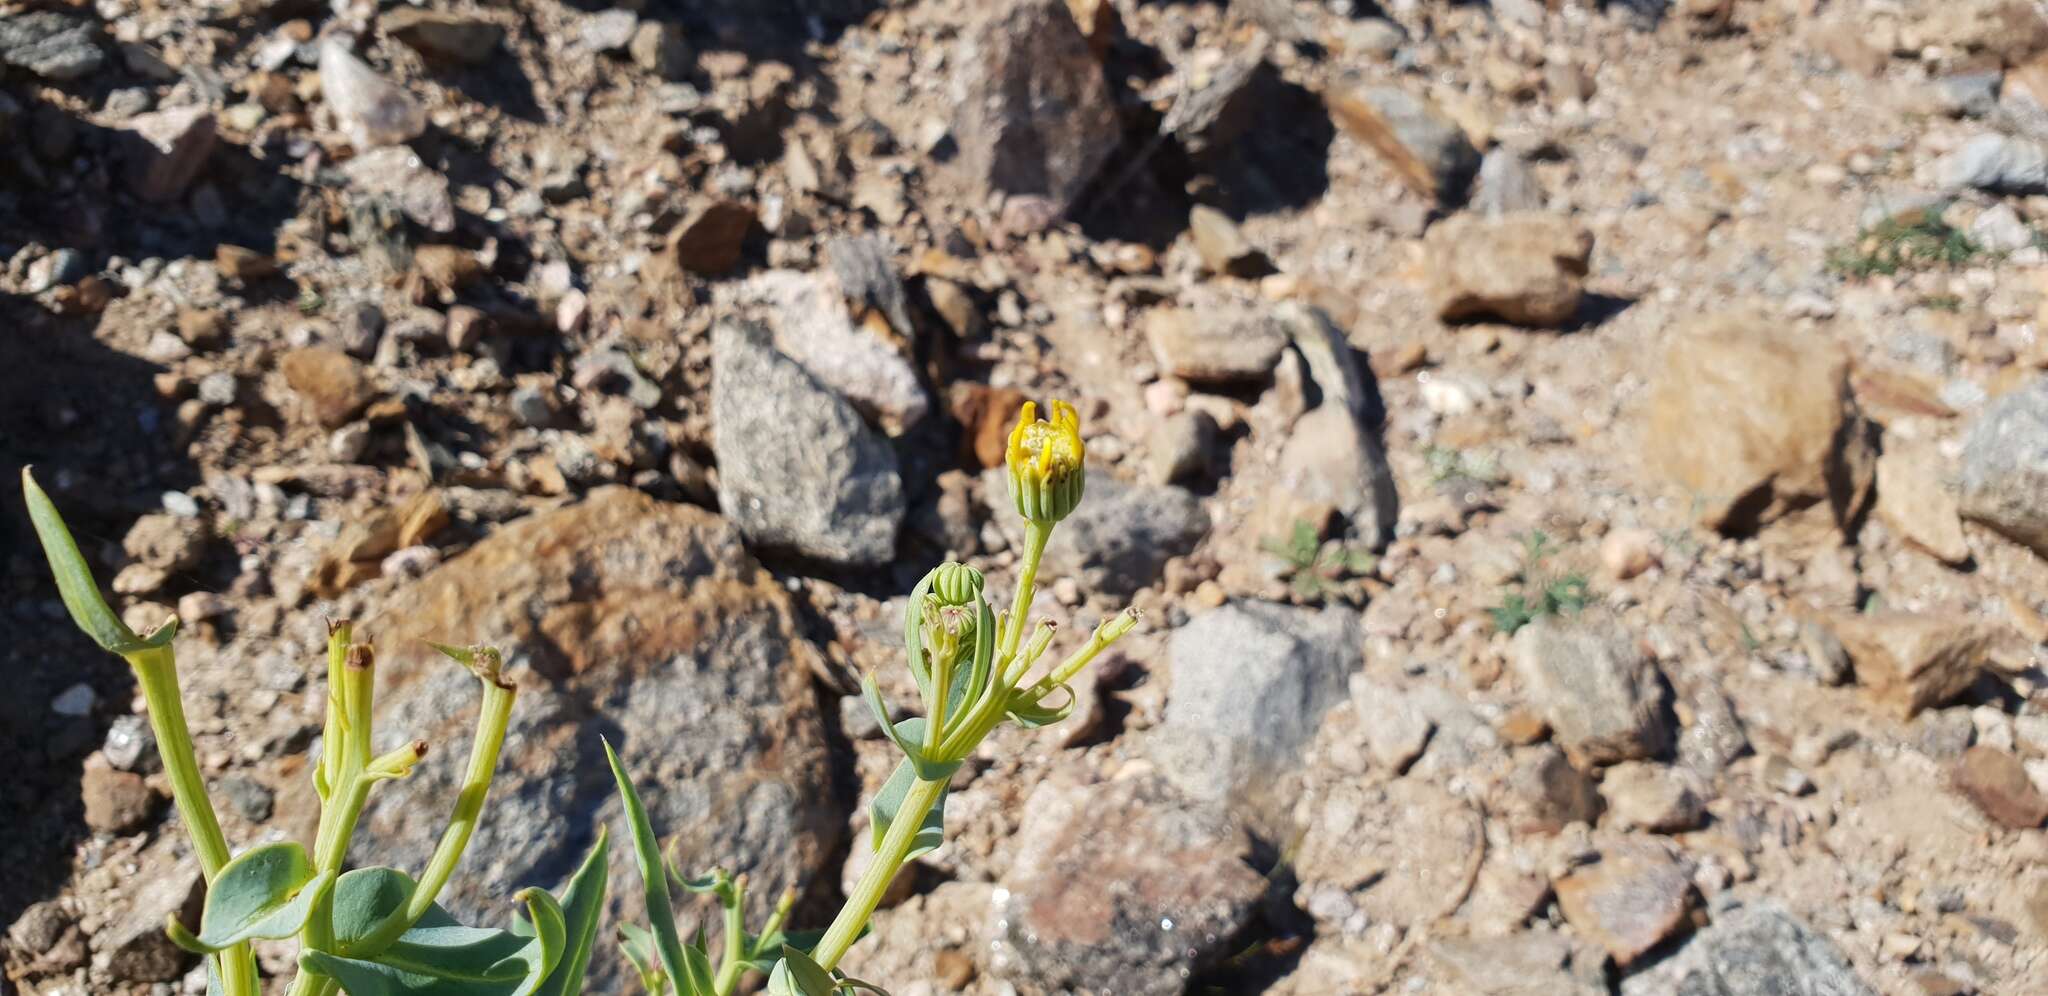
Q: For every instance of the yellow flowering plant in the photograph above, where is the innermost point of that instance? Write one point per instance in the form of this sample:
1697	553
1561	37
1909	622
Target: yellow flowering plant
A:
973	669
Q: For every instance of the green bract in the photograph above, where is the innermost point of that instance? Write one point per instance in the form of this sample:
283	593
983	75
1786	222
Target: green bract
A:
970	665
368	932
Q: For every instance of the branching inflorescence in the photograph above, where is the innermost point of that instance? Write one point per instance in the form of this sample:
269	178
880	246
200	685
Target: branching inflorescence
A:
378	931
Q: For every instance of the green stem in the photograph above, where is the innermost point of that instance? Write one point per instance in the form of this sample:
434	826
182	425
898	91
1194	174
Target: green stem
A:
345	752
735	942
491	722
888	860
1035	536
156	670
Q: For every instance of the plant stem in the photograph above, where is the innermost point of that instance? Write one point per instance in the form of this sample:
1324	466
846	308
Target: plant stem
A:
1035	536
888	860
730	963
491	722
156	670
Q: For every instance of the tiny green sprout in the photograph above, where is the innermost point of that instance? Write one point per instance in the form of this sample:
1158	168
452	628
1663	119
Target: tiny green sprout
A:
1539	593
1315	569
364	931
974	670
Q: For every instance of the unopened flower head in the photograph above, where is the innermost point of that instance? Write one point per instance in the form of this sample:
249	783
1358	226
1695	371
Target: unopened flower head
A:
955	583
948	630
1044	458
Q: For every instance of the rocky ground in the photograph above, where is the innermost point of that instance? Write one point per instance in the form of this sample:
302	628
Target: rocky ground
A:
1585	467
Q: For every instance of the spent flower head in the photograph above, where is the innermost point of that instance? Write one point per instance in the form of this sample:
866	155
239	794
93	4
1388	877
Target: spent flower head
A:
1045	463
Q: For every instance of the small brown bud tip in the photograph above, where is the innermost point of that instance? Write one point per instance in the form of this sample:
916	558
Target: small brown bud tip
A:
419	748
360	656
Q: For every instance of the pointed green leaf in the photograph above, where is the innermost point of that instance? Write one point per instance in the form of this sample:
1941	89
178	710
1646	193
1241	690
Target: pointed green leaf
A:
639	948
1032	715
582	907
265	892
797	975
889	801
75	584
653	880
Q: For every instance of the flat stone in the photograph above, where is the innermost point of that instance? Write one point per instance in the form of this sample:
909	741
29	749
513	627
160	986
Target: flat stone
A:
1395	854
1178	448
1524	268
1627	902
1602	697
645	619
420	191
1999	163
1332	462
1506	185
1212	341
799	470
1423	145
1755	424
132	939
372	110
1998	785
1758	949
1251	682
1543	793
1908	662
1033	113
1174	887
1222	245
1118	539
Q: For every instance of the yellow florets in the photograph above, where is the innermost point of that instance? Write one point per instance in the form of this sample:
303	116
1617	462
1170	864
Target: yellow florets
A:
1045	462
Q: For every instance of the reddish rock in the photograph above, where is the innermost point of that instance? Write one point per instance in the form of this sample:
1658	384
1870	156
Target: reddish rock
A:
1627	902
1997	783
330	384
115	801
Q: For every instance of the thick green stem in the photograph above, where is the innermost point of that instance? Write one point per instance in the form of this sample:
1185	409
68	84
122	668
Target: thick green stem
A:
888	860
730	964
345	753
1035	537
156	670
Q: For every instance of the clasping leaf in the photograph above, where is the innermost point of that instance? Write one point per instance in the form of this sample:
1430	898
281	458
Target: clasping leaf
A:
267	893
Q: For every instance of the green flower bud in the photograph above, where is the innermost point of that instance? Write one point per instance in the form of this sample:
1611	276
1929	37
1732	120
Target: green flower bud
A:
956	584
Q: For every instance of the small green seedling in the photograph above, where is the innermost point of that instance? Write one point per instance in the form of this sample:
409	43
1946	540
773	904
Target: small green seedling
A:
1909	242
971	667
1539	593
1316	569
367	931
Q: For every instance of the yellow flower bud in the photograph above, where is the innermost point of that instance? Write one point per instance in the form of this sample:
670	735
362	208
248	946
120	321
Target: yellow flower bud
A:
1045	463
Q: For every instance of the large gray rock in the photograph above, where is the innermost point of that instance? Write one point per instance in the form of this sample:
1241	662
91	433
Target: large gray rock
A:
866	365
51	45
797	468
1168	888
2003	479
1034	115
1251	682
639	620
1120	537
1602	697
1754	950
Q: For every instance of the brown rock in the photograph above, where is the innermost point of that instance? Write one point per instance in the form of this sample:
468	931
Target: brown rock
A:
710	239
1158	858
330	384
1913	502
1400	854
1996	782
1909	662
174	148
1756	423
165	541
1523	267
238	263
1425	146
951	968
1533	963
446	268
1543	793
988	414
1098	22
132	940
115	801
1627	902
201	329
